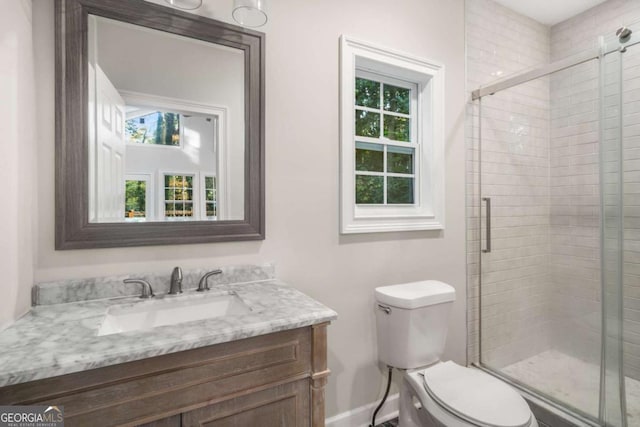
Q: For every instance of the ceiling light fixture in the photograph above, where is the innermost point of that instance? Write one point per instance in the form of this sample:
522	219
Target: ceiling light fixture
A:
250	13
185	4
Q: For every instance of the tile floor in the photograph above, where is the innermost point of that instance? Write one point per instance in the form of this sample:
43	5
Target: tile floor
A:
572	381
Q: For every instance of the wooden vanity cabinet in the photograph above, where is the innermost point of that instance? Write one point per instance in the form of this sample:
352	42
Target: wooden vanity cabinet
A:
270	380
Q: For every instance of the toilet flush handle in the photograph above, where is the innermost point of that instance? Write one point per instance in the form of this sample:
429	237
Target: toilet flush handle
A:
384	308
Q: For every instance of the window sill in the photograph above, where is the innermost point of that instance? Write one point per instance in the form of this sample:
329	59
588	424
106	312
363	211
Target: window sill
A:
381	225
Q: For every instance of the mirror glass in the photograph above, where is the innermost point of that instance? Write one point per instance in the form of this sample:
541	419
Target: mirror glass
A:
166	126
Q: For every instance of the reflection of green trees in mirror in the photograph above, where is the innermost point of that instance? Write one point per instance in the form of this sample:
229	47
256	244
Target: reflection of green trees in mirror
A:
178	188
178	181
159	128
399	190
135	199
369	157
396	128
168	129
396	99
367	93
210	196
367	124
210	187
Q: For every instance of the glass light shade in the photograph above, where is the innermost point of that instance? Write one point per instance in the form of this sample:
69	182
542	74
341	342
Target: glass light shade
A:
185	4
250	13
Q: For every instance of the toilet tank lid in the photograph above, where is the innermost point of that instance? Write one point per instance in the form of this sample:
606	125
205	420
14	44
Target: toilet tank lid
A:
416	294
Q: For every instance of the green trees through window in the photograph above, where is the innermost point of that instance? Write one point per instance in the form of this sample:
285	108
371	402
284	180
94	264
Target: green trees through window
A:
385	152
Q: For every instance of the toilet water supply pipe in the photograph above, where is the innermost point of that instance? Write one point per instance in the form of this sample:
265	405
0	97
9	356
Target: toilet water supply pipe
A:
384	398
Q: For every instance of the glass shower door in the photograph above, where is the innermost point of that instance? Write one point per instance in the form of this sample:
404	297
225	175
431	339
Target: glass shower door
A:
556	232
539	236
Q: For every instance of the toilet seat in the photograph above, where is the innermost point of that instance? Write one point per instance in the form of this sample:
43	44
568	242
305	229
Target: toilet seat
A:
475	397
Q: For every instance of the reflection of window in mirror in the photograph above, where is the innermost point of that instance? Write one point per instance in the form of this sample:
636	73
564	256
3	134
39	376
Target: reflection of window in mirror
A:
138	204
165	134
178	196
136	199
188	196
210	197
155	127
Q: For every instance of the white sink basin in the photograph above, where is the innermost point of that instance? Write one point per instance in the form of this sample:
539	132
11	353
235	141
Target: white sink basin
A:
170	311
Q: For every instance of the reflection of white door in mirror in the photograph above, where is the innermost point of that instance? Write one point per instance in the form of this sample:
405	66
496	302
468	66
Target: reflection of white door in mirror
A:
109	150
106	144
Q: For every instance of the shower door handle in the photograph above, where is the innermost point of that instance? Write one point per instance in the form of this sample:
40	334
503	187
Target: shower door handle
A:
487	200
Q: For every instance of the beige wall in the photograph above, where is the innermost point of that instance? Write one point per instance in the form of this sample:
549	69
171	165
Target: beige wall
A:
302	179
17	159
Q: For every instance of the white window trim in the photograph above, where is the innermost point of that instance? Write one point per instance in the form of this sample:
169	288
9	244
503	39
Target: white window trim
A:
149	193
428	212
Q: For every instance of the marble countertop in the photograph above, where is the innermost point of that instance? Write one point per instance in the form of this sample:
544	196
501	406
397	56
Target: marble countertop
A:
59	339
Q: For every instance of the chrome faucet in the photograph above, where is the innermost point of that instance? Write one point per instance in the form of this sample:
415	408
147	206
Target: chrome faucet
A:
203	285
176	282
147	291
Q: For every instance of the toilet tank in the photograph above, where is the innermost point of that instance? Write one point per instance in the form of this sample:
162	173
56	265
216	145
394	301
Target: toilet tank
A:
412	322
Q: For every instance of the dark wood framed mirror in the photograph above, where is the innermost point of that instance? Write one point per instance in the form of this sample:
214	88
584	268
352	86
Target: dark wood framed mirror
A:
159	127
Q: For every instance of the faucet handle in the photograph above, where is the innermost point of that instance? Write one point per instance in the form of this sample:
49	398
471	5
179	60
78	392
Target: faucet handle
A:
203	285
147	291
176	281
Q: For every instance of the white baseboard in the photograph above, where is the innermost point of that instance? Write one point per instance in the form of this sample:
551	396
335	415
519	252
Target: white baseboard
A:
361	417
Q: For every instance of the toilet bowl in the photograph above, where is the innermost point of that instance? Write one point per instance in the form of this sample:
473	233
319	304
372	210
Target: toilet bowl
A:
450	395
411	323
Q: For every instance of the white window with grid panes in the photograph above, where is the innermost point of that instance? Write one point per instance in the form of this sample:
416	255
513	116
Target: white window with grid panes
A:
386	142
392	157
179	202
210	204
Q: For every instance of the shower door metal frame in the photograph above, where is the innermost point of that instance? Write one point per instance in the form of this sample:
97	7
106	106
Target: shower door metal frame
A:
598	53
545	70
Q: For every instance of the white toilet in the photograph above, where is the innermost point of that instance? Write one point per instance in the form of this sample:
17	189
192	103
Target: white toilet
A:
412	323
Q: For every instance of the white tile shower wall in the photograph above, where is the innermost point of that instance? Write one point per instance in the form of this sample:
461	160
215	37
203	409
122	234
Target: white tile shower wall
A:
574	148
516	318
